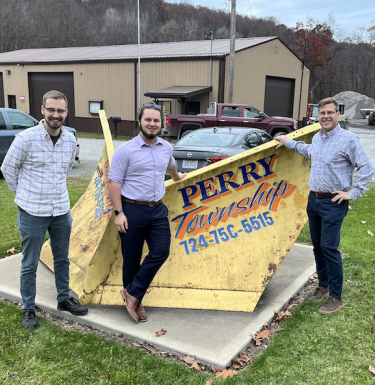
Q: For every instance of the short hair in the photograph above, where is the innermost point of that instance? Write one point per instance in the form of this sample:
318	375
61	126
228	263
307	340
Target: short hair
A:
53	94
329	100
151	106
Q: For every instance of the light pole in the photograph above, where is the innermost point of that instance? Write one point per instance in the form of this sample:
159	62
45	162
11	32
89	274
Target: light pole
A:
212	38
139	61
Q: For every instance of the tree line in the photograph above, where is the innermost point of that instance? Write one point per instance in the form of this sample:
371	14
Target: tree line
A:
338	61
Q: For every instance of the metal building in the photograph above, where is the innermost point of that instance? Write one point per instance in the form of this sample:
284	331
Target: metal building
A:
182	76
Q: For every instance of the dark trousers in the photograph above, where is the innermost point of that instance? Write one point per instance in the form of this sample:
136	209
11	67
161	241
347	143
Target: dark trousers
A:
148	224
325	220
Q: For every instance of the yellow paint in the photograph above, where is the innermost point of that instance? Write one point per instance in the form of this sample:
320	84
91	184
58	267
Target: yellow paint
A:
220	267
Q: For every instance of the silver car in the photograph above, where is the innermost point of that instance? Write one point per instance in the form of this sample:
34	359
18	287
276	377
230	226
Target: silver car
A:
205	146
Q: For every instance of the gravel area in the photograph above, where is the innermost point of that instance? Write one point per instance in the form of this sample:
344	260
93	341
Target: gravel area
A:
90	153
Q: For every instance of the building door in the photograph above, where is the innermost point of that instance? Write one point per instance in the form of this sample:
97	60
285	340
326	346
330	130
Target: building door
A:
279	96
12	101
41	82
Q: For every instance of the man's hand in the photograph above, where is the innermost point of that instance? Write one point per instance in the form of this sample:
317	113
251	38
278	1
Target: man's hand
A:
121	223
180	176
282	139
341	196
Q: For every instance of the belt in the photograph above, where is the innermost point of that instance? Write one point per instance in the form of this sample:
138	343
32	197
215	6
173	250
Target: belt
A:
143	203
321	195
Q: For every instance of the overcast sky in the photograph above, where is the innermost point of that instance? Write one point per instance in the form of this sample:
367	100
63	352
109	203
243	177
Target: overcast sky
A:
348	14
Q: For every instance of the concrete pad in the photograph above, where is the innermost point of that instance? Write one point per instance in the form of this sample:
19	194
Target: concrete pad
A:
213	337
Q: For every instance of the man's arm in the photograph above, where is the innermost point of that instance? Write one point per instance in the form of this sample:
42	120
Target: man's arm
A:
12	163
121	221
364	170
282	139
299	147
176	176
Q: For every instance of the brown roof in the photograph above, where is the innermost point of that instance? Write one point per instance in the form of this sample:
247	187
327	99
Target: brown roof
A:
178	91
181	49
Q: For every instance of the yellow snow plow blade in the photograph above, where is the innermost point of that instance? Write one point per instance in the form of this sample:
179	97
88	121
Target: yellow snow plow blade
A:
232	224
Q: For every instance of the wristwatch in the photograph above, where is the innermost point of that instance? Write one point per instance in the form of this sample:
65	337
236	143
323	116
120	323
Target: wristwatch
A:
117	212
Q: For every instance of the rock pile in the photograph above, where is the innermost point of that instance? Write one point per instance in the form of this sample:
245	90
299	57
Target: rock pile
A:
354	102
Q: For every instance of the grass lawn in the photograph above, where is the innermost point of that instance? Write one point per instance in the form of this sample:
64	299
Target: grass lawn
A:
313	349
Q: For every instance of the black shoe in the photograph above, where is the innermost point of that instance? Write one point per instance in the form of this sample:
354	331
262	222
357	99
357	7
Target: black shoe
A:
72	305
29	318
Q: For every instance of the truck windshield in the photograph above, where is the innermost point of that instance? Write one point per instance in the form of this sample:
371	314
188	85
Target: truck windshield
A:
315	111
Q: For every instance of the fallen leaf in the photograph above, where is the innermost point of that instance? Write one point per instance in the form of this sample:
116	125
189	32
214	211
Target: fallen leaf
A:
160	332
196	367
258	341
363	222
348	280
210	381
264	334
108	376
241	360
280	316
313	278
226	373
150	349
369	232
371	369
215	370
349	207
277	330
12	250
188	359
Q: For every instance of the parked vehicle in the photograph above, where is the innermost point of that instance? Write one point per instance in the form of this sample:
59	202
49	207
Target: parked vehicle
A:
205	146
371	118
223	114
14	121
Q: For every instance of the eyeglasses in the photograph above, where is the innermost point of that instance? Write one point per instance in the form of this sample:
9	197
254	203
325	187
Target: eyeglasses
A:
53	110
152	105
329	113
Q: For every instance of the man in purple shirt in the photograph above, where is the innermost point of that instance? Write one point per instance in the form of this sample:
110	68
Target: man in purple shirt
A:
136	188
334	154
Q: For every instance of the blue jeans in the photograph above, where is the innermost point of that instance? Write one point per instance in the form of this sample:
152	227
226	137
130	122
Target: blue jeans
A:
148	224
33	229
325	220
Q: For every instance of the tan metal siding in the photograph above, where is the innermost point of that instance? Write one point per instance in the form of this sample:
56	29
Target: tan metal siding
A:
253	65
171	73
111	82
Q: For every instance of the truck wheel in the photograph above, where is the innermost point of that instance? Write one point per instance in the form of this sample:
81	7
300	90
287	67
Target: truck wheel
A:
186	132
279	133
371	119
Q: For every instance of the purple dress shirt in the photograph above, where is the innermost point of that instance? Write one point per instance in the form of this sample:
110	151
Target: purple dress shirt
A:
140	169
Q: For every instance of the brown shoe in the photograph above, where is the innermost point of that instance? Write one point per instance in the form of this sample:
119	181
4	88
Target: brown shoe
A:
320	293
141	313
131	304
331	306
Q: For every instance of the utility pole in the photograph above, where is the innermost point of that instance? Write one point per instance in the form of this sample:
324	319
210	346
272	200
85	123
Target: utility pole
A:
212	37
232	50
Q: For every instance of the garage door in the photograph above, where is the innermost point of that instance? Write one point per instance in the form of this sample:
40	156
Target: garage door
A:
40	83
279	96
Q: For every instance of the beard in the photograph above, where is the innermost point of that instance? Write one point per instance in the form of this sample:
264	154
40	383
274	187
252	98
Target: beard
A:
57	127
149	135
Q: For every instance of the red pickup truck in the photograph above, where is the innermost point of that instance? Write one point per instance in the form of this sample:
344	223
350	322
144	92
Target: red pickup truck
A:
227	115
